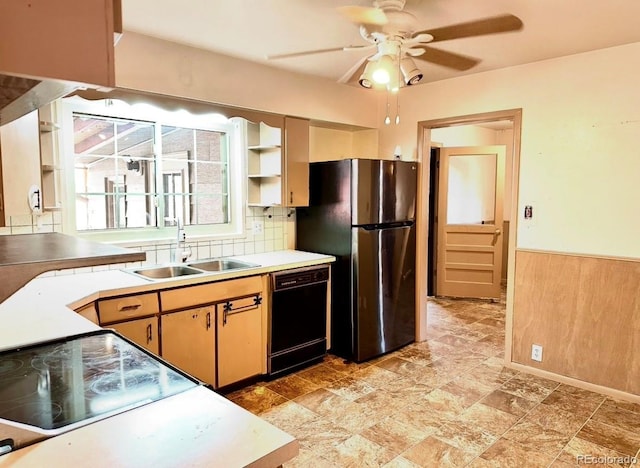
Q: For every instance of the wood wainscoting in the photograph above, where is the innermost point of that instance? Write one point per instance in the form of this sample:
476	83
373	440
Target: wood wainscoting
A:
584	311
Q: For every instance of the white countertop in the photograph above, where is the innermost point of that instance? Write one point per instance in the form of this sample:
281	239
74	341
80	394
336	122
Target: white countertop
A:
196	428
41	309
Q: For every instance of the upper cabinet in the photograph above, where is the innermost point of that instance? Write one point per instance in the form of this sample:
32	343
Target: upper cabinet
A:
278	163
47	48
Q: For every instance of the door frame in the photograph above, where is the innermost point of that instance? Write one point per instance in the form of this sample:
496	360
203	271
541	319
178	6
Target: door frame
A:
422	218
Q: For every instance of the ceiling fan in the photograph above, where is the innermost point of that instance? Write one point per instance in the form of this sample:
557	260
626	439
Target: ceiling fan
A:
395	40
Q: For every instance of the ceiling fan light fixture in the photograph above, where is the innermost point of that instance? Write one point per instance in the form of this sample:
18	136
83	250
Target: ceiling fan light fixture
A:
410	71
366	79
383	68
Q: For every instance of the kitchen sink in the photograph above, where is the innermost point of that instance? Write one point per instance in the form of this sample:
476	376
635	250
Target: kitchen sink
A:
221	265
170	271
201	267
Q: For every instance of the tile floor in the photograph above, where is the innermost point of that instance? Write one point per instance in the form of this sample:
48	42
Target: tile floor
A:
447	401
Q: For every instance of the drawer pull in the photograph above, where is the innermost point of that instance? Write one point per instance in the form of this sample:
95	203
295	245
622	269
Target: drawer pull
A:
149	333
208	320
129	307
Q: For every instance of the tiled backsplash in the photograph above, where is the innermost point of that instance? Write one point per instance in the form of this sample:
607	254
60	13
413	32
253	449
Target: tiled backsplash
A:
277	223
49	221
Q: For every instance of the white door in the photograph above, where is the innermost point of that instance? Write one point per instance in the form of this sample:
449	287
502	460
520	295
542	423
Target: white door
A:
470	213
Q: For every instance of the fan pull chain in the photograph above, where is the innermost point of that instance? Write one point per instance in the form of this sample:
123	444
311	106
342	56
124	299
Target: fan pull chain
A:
397	108
387	119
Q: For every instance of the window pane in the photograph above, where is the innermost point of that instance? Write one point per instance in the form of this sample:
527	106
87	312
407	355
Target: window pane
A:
114	173
471	191
195	176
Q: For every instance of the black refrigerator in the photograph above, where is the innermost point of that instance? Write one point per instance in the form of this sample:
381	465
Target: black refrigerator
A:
362	211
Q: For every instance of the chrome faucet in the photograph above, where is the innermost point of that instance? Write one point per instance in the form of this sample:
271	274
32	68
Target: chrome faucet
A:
182	251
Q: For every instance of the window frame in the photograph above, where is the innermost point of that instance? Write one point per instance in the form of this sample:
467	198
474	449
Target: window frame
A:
234	228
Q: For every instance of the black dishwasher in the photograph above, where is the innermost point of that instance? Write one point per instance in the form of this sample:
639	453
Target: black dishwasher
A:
298	318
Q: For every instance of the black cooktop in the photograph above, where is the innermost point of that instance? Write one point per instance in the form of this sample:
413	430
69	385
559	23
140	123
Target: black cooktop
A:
82	379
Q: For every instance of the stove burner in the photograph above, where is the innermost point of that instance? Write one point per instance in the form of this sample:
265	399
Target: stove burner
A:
37	414
10	365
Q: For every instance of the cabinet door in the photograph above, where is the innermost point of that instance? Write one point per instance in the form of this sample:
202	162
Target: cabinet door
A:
240	345
188	341
296	159
142	331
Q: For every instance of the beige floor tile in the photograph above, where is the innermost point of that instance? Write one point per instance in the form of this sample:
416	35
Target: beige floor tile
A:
257	400
292	386
620	417
489	419
465	436
434	453
321	374
358	451
506	453
396	434
350	388
447	401
508	402
614	438
581	452
545	429
574	403
401	462
529	386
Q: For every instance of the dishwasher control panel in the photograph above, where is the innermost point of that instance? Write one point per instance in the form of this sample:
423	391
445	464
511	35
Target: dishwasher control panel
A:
300	277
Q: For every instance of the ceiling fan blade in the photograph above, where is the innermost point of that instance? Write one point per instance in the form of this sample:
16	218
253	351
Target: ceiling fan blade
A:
317	51
352	75
446	59
493	25
364	15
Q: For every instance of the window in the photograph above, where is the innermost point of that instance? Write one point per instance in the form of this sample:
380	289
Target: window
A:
141	170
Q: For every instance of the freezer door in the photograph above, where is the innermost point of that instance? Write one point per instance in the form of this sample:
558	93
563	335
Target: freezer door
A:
384	289
383	191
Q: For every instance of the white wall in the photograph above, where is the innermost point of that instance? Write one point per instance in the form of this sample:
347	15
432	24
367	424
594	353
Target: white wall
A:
149	64
580	158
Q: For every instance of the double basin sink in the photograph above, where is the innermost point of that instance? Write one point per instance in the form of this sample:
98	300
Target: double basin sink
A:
193	268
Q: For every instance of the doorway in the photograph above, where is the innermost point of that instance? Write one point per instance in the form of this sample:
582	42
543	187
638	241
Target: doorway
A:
428	201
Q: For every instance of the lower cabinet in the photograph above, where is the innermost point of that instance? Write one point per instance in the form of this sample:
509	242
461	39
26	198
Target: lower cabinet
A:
188	341
141	331
240	353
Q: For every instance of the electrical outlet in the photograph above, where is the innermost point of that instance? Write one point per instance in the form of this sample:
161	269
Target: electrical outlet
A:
258	227
536	352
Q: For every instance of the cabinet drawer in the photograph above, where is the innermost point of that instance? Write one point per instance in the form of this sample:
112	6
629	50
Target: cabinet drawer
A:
210	293
128	307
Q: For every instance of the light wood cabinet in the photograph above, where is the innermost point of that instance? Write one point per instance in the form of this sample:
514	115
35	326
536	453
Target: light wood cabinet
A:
134	316
278	163
296	161
215	331
239	341
76	39
20	141
209	293
90	312
127	307
188	341
141	331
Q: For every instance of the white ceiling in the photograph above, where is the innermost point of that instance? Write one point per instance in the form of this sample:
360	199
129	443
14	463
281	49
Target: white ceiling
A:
253	29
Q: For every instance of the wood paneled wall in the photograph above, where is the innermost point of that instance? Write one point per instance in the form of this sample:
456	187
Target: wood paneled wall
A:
584	311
